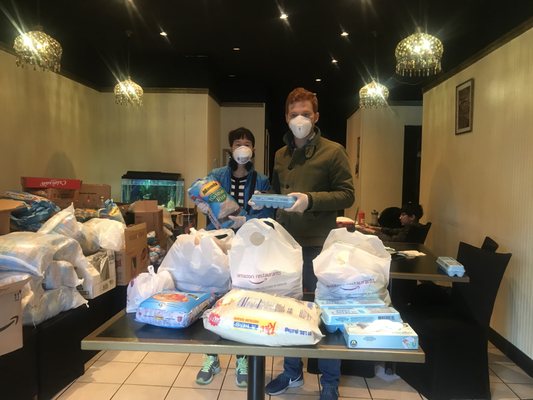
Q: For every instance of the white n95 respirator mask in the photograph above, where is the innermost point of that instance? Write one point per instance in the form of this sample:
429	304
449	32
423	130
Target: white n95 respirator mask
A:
300	126
242	154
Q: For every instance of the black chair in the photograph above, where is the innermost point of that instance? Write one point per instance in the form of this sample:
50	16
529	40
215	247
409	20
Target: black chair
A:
454	333
489	244
418	233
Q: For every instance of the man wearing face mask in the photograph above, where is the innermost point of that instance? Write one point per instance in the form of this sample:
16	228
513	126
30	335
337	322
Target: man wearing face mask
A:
240	180
316	172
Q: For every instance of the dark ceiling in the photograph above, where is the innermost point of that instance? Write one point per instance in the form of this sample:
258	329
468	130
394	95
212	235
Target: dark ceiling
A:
275	55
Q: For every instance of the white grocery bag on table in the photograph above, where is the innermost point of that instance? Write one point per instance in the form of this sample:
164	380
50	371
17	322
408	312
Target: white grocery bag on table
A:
198	262
352	264
266	258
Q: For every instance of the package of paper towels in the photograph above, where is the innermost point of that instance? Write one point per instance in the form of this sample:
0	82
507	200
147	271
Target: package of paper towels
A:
260	318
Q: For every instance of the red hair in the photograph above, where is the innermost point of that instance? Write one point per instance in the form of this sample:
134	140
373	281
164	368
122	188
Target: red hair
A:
301	94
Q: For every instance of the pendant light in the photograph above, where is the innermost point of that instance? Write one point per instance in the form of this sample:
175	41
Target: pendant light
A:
373	94
128	92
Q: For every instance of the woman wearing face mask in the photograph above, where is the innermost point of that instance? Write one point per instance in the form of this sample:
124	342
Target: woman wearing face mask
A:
240	180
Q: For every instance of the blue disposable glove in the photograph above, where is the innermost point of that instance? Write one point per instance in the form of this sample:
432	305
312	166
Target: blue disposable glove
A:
238	221
253	205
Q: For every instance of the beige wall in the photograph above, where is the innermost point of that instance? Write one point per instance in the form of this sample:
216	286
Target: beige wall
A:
381	133
53	126
481	183
251	116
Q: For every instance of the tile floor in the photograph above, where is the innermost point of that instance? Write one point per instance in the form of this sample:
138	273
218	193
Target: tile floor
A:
133	375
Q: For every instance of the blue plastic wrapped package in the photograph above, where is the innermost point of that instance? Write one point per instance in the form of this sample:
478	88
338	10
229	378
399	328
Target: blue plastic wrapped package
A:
173	309
334	318
213	200
30	218
273	200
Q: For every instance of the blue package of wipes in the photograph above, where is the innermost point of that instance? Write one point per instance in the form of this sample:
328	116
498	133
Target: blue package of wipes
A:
273	200
173	309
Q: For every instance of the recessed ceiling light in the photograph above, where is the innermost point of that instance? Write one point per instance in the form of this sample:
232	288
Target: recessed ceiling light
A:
318	80
334	61
236	49
232	76
283	16
163	33
344	33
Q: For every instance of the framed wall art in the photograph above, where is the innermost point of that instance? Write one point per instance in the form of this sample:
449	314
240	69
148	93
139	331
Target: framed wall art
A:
464	107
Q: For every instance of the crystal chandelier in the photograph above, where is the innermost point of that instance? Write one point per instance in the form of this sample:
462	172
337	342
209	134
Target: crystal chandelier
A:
128	92
373	95
419	55
38	49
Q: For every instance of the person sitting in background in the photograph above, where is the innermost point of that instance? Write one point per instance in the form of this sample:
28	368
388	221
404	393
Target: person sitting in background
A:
390	218
410	214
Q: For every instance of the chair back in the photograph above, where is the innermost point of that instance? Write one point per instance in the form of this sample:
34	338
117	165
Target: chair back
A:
418	233
489	244
485	269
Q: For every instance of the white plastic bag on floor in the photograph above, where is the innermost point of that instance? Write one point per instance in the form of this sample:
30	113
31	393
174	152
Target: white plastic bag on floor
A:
198	262
260	318
265	257
352	264
145	285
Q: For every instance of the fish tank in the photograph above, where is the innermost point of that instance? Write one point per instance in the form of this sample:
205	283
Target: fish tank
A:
165	187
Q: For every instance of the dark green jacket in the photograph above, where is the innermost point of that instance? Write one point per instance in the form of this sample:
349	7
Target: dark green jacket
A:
320	169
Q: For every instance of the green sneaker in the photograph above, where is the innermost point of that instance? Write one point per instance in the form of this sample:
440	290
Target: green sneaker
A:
209	369
241	372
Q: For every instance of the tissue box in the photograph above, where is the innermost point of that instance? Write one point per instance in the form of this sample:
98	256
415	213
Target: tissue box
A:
335	318
349	303
273	200
361	336
451	266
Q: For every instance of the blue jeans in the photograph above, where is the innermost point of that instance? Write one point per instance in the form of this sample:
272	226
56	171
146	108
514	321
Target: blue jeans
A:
293	366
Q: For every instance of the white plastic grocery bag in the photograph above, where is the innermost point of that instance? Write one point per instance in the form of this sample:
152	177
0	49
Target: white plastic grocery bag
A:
352	264
198	261
265	257
145	285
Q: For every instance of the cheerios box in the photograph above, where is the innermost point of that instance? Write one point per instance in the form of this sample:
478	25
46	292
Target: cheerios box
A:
380	335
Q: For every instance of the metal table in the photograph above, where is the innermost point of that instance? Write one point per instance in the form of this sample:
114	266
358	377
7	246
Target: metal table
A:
122	332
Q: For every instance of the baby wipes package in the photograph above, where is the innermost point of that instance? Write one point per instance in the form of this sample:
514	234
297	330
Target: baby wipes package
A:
273	200
383	334
173	309
214	201
334	318
260	318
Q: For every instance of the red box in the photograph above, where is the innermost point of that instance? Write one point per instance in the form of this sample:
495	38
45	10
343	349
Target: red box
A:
49	183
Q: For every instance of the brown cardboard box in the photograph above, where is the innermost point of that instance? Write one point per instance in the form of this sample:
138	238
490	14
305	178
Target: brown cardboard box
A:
104	263
60	197
6	206
11	316
147	211
89	195
133	260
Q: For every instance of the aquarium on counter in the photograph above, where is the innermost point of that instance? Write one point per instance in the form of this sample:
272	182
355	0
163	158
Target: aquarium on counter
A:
165	187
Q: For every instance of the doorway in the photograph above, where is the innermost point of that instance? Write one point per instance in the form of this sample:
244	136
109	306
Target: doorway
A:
412	154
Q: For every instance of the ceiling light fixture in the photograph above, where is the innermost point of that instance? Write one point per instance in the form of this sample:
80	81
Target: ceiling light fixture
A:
344	34
163	33
318	80
283	16
334	61
236	49
128	92
419	54
373	94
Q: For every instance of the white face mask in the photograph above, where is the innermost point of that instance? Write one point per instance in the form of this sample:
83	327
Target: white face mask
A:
300	126
242	154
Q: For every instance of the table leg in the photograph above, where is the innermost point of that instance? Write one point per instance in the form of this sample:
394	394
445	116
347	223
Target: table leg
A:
256	378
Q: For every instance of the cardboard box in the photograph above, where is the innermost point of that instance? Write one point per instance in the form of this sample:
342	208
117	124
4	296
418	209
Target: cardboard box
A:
60	197
6	206
104	263
133	260
91	195
46	183
147	211
11	316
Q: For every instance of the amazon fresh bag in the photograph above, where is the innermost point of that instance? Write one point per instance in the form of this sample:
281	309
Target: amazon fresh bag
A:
198	262
352	264
260	318
266	258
